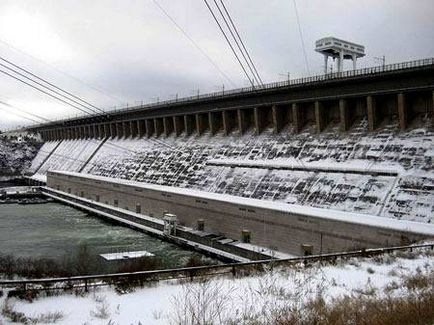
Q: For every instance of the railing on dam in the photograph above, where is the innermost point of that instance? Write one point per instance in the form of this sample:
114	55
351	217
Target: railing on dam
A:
193	272
269	86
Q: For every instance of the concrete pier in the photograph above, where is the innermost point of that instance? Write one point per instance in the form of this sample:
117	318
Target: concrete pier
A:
297	117
189	124
320	116
228	121
242	121
167	125
345	119
150	127
371	108
200	124
119	130
178	125
113	130
158	126
215	122
259	119
402	111
277	117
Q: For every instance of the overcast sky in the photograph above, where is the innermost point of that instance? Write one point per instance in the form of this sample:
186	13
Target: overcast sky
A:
114	52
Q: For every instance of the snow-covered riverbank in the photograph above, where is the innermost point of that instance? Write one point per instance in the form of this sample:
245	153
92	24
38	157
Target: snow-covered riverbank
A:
221	300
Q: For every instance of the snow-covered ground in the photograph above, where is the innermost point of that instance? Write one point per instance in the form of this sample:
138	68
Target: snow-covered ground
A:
252	163
235	298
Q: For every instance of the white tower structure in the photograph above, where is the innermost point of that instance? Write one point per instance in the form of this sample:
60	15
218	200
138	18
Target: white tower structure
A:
339	49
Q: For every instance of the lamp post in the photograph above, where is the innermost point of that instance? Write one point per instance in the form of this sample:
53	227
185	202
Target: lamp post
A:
382	59
222	88
287	75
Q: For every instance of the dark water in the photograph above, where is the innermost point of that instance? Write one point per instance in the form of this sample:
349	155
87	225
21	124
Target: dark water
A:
12	182
55	231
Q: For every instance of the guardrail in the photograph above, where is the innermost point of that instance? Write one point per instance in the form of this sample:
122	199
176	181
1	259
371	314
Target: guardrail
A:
269	86
191	272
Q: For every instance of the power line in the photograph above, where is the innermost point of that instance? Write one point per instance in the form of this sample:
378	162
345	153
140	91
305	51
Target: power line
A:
19	115
194	43
62	72
43	91
239	37
229	43
237	43
301	37
49	83
23	111
49	89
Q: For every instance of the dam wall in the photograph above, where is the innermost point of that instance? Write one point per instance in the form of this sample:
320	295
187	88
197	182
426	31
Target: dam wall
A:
287	228
387	172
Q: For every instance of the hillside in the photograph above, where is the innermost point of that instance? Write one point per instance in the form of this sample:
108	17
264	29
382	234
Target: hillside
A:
16	155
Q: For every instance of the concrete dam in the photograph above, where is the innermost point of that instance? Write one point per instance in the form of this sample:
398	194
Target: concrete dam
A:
323	164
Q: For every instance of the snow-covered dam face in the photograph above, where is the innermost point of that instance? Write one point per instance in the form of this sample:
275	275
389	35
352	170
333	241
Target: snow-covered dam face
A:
387	173
58	232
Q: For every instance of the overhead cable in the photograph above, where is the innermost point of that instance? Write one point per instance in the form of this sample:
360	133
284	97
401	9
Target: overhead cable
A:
93	107
43	91
241	41
89	110
230	44
25	112
182	30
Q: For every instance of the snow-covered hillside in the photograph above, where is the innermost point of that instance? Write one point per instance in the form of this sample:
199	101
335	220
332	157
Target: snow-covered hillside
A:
16	155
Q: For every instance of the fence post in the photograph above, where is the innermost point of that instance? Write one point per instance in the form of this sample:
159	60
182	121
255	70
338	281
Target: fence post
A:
233	271
85	286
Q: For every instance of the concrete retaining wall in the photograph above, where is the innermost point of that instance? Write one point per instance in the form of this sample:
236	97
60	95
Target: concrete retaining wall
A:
271	227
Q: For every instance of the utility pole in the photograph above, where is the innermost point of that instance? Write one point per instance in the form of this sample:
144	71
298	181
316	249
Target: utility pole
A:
288	75
382	59
196	91
222	87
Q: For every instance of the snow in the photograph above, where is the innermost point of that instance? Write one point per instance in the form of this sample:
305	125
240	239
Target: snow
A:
70	155
16	156
355	166
263	250
125	255
157	304
291	209
42	154
39	177
316	170
18	189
